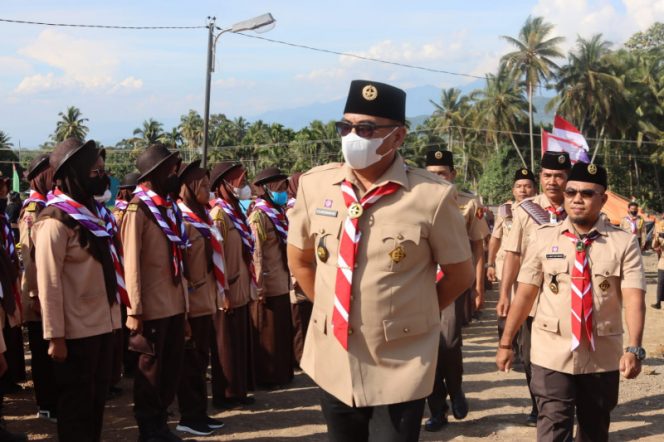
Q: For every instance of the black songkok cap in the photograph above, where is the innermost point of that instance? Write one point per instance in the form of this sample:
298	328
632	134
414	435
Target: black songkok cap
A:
588	173
524	174
440	157
556	161
376	99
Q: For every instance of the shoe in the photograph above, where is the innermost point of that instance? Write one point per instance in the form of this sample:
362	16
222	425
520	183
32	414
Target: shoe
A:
197	428
166	435
657	305
8	436
460	406
434	424
531	420
213	423
47	415
231	403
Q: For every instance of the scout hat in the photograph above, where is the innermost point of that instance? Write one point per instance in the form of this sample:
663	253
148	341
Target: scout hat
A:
376	99
269	175
37	165
186	168
130	180
70	150
524	174
221	169
555	161
588	173
151	158
440	157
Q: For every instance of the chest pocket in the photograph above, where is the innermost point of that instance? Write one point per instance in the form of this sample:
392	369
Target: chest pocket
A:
399	248
327	234
556	276
606	277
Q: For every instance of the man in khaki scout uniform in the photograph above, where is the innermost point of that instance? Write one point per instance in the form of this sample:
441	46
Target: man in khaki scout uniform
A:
545	208
524	187
585	271
40	177
657	245
365	239
449	371
634	223
155	241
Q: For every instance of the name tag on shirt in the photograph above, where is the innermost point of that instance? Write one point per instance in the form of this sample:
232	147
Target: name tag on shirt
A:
327	212
555	256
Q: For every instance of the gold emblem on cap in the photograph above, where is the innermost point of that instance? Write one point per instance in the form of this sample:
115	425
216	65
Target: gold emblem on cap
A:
592	169
398	254
524	172
438	155
561	159
369	92
605	285
355	210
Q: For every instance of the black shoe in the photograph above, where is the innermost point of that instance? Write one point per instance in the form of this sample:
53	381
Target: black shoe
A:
7	436
657	305
434	424
531	420
166	435
213	423
460	406
231	403
197	428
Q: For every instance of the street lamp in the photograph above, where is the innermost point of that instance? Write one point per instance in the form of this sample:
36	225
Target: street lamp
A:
262	23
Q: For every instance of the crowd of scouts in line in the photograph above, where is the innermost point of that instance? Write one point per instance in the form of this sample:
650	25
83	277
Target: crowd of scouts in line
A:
195	273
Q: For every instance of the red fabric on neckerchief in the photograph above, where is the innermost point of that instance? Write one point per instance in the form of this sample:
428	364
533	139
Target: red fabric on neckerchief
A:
556	214
350	237
582	290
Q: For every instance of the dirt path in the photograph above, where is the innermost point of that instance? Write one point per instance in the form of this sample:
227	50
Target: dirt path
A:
498	401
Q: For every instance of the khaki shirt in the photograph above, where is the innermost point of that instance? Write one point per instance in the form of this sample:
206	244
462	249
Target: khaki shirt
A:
501	229
394	315
202	284
147	263
473	215
70	282
615	264
626	225
29	278
658	242
272	275
119	216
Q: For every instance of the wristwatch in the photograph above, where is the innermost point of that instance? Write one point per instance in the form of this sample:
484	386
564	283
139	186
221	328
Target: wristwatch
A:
490	265
639	352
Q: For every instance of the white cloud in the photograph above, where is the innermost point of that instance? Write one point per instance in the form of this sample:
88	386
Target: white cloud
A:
402	52
14	65
232	83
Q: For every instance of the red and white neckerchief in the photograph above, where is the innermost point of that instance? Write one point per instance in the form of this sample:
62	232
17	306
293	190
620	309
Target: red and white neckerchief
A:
582	290
632	223
556	214
350	238
172	226
208	230
121	204
240	224
101	226
277	217
35	197
291	203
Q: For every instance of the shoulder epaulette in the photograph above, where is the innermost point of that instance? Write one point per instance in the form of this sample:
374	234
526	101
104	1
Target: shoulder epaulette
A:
256	217
133	207
32	207
328	166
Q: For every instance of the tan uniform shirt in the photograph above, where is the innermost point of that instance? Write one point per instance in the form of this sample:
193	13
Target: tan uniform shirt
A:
658	242
73	298
202	285
239	291
615	264
29	278
394	316
119	216
639	225
272	275
147	263
473	215
501	229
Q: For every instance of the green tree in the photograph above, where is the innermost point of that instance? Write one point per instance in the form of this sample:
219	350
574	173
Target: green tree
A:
149	133
71	124
191	128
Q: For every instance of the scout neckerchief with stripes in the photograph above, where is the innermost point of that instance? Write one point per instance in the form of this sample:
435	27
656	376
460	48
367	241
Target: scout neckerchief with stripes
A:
101	226
7	242
350	237
582	290
291	203
35	197
240	223
277	217
211	233
172	226
556	214
121	205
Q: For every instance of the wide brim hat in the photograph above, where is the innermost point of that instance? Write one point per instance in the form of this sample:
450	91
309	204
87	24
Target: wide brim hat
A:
269	175
67	150
151	158
221	169
37	165
185	168
376	99
130	180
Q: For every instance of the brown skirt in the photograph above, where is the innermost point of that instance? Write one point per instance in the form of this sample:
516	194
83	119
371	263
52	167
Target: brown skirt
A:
232	367
301	314
273	340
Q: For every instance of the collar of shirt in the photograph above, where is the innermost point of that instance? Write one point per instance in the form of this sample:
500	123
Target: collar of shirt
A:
600	226
396	173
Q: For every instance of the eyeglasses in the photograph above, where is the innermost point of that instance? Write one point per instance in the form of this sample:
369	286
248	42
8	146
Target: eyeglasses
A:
98	172
364	130
585	193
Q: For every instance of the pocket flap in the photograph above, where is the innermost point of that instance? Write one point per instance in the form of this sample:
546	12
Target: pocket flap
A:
323	225
555	266
404	327
606	268
547	323
608	328
319	321
401	233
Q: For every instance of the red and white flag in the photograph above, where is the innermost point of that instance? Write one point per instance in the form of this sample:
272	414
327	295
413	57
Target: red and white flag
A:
553	143
564	129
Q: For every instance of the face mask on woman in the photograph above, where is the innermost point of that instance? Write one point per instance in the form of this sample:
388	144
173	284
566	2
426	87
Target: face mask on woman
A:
279	198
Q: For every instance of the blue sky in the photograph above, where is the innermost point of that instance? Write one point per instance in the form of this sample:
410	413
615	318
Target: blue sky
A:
118	78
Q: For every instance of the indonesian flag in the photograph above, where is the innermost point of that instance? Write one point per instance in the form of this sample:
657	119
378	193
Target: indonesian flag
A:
565	138
566	130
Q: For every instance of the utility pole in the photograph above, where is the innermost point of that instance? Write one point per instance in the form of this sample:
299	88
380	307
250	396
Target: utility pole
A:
208	79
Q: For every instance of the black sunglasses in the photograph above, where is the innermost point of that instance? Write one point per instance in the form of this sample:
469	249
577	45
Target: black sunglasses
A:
364	130
585	193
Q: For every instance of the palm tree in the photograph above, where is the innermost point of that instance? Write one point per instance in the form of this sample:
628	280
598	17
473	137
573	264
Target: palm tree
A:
70	125
150	133
172	139
191	127
533	60
4	141
450	113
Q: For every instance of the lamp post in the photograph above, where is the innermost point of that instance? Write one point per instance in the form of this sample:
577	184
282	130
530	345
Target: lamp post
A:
261	23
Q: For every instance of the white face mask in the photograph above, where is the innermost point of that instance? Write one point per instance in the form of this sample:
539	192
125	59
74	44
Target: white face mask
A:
359	152
106	197
212	196
243	193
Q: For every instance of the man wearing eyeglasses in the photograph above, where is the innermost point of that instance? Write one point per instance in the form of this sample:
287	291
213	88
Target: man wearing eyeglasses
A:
364	241
545	208
585	271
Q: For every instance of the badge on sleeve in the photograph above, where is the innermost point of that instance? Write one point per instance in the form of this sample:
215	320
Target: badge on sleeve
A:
132	207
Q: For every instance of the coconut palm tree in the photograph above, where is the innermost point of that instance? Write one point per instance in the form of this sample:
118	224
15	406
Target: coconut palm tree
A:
450	114
191	127
70	125
172	139
4	141
151	132
533	59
